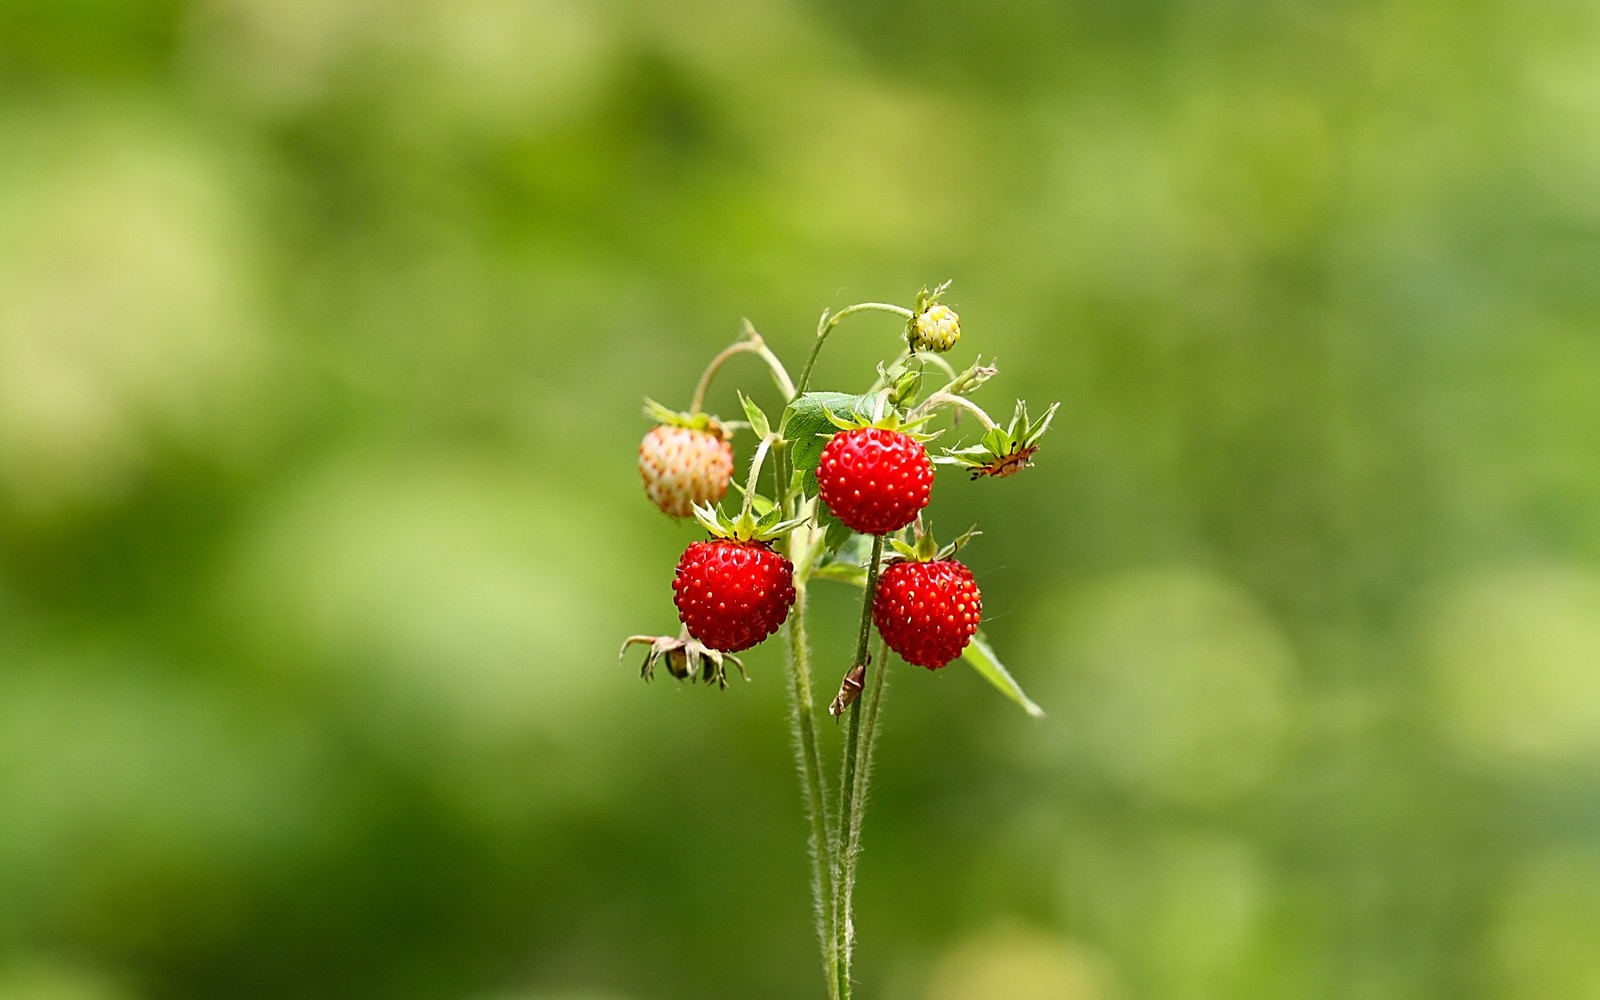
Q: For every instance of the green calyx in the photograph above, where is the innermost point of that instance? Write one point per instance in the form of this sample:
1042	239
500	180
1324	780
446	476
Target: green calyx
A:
1003	451
693	421
877	411
748	526
927	549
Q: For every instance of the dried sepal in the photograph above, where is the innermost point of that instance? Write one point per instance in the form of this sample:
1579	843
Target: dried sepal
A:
684	658
1003	451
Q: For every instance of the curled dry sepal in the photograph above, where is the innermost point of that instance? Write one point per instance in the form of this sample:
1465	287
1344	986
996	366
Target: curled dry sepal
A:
1003	451
683	657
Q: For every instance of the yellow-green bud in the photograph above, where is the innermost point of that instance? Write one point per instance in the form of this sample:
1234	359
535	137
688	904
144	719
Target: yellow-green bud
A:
936	328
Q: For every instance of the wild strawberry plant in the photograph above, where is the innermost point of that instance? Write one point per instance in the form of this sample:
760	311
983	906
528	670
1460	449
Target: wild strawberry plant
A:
850	480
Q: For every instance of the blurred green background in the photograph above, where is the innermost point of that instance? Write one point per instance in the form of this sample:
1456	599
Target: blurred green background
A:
324	328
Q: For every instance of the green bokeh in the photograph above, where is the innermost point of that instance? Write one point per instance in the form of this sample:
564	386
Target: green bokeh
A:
324	328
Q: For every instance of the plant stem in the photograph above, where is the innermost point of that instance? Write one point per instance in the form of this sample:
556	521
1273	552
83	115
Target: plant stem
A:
942	398
853	803
828	321
754	475
804	731
844	861
753	344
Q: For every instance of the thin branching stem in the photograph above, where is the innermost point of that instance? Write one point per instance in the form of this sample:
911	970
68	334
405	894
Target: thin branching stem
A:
950	399
752	344
828	321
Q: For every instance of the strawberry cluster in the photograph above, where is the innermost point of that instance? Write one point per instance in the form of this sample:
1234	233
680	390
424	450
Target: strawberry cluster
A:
851	479
847	464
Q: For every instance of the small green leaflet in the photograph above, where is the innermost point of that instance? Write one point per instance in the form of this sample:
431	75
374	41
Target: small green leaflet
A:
989	667
758	420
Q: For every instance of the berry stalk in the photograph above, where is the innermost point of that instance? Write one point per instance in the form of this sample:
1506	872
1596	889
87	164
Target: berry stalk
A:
828	321
803	734
943	398
803	730
863	739
752	344
849	804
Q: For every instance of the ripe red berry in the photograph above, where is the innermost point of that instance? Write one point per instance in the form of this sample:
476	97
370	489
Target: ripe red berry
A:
875	480
927	611
730	594
683	466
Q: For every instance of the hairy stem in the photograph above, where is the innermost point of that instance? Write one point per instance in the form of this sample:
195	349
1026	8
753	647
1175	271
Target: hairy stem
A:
804	731
828	321
754	475
843	860
853	805
752	344
942	398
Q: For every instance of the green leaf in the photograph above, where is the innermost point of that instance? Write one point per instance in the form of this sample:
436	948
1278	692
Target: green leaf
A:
808	423
989	667
758	419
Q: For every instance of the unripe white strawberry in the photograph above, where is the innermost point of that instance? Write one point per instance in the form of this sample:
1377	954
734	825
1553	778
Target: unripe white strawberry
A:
936	328
682	466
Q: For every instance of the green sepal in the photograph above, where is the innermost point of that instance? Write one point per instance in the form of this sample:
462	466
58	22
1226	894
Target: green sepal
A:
927	549
1002	444
904	381
956	546
926	298
747	527
975	375
982	659
676	418
876	411
758	419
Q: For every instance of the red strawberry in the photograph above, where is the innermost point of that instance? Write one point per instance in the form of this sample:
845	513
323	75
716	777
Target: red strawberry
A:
927	611
683	466
732	594
875	480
